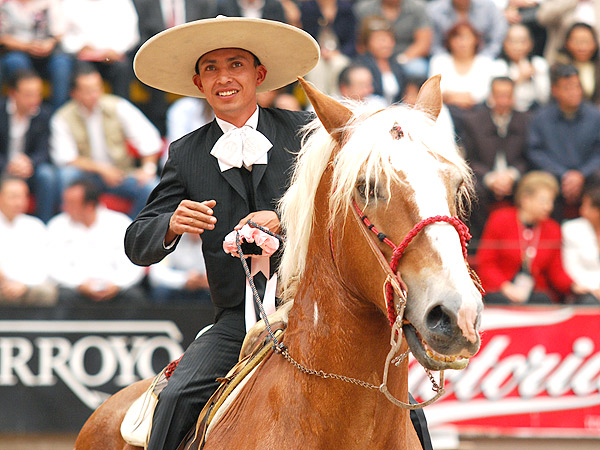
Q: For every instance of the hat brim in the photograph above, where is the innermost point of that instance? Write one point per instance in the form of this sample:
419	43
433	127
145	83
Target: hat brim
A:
167	60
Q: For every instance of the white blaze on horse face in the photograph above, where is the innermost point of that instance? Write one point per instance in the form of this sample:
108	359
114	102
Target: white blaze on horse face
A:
424	174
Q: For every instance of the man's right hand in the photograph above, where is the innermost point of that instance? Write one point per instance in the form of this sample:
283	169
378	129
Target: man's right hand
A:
191	217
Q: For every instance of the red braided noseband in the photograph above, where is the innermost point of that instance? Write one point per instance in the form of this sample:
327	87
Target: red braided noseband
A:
398	250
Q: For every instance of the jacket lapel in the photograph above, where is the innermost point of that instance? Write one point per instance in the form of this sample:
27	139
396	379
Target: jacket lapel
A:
232	176
265	126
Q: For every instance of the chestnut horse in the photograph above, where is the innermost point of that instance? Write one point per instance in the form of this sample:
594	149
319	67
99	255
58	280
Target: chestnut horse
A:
359	302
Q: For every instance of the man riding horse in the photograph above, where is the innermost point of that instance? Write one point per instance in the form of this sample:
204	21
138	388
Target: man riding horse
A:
217	178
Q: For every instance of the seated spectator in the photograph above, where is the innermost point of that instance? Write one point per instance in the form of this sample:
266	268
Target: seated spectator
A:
24	259
495	142
88	39
412	29
388	76
519	255
556	16
91	135
581	50
31	31
24	141
581	246
181	276
89	262
356	83
525	12
564	138
485	16
466	73
258	9
333	25
529	72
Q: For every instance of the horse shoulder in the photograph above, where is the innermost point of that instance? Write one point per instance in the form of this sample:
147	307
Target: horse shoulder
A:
103	427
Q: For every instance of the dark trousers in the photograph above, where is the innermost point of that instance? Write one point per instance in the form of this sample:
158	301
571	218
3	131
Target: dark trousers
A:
193	382
209	357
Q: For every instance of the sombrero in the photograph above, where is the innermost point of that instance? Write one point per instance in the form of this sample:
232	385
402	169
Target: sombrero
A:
167	60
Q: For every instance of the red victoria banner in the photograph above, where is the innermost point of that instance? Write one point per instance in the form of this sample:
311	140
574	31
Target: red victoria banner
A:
537	372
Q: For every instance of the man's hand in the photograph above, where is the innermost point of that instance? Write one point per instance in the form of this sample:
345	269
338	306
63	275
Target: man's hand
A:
513	292
20	166
571	186
266	219
111	175
12	290
191	217
196	281
99	292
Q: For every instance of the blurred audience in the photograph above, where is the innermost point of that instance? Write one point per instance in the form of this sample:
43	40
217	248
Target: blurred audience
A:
558	15
581	245
89	262
564	138
24	141
257	9
333	24
495	142
31	32
581	50
25	257
356	83
283	100
485	16
110	49
466	74
519	255
93	134
529	72
412	29
379	42
181	276
525	12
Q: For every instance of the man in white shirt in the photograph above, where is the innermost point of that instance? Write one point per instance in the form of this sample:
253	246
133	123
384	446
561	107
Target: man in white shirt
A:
93	135
24	259
89	263
104	32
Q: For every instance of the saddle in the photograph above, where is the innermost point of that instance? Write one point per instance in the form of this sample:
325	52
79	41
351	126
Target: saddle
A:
137	424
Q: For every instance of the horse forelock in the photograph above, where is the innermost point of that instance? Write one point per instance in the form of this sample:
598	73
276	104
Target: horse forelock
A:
370	153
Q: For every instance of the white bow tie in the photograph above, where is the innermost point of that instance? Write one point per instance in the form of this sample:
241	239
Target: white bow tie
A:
241	146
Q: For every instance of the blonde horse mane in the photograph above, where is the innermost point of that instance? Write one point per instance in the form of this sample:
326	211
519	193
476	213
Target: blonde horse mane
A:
365	155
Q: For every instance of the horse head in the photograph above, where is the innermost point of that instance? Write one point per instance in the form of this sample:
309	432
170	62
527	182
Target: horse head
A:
392	180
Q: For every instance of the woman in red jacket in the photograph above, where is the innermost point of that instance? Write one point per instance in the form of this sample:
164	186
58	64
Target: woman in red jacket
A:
519	256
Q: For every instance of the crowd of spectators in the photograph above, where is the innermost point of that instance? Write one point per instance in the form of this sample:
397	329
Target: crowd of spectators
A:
79	134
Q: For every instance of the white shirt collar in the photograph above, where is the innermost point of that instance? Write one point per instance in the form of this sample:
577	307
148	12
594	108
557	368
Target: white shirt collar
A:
252	122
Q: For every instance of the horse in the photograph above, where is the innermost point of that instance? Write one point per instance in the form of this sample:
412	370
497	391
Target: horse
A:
364	181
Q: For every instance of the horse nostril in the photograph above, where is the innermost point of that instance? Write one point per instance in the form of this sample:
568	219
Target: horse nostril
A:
439	322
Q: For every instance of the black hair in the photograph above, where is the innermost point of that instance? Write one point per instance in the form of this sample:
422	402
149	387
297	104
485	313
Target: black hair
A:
559	71
20	75
344	76
81	68
91	190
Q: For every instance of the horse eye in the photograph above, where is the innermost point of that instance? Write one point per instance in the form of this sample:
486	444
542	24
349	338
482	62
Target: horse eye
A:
362	191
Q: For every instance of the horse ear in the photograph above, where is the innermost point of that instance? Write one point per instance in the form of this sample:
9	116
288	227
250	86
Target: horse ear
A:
429	98
333	115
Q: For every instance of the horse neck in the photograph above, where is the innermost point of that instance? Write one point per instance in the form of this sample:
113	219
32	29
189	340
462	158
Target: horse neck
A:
330	328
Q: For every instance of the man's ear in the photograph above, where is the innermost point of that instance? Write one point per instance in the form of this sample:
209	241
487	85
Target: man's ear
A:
198	82
261	74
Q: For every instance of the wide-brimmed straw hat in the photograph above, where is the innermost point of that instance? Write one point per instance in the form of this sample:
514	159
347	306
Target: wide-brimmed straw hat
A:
167	60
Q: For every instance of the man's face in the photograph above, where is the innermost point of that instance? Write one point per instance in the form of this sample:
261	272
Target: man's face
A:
228	78
502	98
360	86
74	205
568	93
88	90
14	198
27	95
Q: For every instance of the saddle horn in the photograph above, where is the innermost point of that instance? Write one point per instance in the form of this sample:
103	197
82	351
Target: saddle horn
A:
333	115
